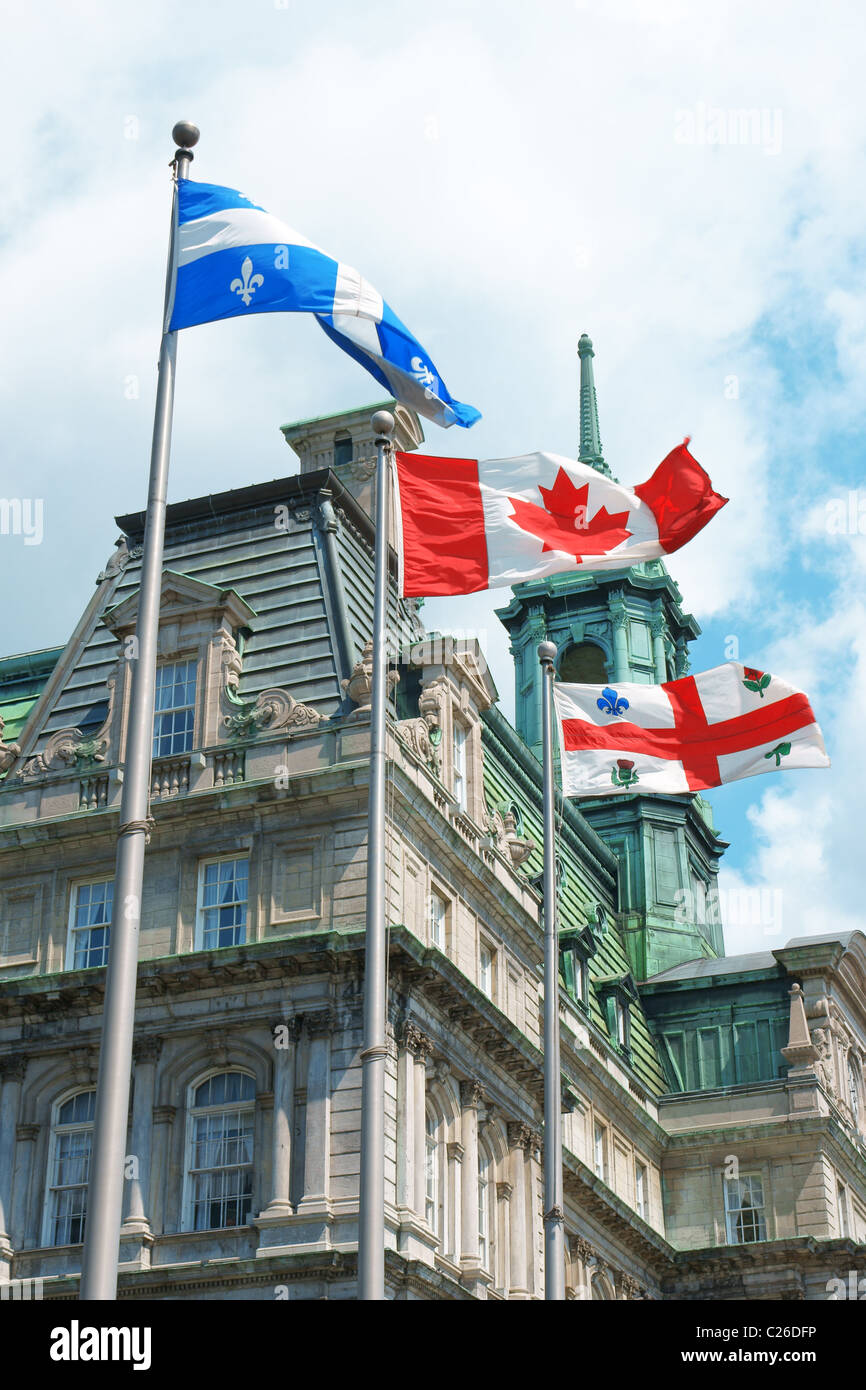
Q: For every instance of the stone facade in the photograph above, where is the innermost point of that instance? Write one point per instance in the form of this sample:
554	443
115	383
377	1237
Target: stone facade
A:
244	1129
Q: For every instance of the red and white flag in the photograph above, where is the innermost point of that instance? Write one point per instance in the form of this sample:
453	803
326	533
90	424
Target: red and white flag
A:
470	524
701	731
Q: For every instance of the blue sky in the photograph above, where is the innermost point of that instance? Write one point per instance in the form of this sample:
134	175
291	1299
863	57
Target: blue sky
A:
509	177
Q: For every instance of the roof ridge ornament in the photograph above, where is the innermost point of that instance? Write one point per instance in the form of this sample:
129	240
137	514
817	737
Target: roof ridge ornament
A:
590	436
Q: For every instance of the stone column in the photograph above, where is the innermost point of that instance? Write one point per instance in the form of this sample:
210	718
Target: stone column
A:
621	670
452	1235
285	1034
145	1056
502	1248
420	1058
412	1122
659	656
518	1138
317	1141
534	1179
470	1099
25	1212
163	1119
12	1071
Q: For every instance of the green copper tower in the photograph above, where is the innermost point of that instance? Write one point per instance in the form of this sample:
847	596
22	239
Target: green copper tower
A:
610	627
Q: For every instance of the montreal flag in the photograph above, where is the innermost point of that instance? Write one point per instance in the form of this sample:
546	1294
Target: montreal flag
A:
470	524
701	731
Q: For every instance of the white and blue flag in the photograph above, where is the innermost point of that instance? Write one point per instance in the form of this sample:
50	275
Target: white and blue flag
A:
234	258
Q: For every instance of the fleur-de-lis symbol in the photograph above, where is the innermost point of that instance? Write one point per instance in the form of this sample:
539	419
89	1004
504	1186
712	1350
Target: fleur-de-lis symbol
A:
422	372
611	703
247	287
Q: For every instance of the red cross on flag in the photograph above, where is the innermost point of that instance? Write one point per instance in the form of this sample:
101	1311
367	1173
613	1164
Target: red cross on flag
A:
470	524
731	722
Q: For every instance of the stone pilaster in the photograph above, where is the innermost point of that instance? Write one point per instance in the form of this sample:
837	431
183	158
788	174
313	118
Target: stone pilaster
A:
12	1071
137	1194
518	1139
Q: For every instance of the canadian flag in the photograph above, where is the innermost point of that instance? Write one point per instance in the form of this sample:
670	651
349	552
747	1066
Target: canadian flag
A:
731	722
470	524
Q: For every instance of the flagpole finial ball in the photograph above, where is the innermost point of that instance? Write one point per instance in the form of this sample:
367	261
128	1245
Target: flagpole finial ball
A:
547	653
383	423
185	134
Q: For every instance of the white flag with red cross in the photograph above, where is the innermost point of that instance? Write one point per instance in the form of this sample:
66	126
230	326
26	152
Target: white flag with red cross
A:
470	524
701	731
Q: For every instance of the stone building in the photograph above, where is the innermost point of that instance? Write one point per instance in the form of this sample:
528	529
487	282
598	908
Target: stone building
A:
714	1107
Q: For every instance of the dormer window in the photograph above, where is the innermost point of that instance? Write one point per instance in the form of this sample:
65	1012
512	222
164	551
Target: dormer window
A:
174	708
617	994
461	734
577	945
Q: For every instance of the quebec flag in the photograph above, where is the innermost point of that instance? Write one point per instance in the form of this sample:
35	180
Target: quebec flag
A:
234	258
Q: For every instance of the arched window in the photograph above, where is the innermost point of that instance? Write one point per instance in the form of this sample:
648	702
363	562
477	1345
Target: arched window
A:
434	1174
69	1170
854	1089
583	664
220	1152
485	1204
601	1288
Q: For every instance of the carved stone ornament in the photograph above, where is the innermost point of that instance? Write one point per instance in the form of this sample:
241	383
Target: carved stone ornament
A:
423	736
9	752
272	710
67	749
359	686
118	562
826	1071
519	846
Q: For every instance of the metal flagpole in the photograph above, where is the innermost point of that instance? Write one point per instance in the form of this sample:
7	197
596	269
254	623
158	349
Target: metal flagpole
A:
554	1214
371	1212
105	1186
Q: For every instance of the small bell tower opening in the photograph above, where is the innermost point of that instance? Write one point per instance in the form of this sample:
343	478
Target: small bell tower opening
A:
583	663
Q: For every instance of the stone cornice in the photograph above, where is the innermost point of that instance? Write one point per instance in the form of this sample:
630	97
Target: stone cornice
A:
592	1196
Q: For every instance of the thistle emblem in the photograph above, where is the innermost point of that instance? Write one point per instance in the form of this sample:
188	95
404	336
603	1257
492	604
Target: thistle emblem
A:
756	681
611	703
780	751
247	287
623	774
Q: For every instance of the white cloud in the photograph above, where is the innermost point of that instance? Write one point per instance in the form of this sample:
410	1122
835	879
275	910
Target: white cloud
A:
509	177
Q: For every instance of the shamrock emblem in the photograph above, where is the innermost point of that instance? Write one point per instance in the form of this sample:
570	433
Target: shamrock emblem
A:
611	703
623	774
780	751
756	681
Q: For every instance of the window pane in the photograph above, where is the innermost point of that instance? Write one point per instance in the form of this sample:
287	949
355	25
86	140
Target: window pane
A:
225	888
174	710
221	1155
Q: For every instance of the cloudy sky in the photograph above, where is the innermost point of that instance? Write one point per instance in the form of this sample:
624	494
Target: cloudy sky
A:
509	177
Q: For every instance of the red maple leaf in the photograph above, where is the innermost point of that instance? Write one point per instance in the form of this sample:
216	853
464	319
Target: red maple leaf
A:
564	522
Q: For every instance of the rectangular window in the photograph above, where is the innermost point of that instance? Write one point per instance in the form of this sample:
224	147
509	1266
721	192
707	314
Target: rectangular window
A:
174	708
438	914
579	978
460	736
222	907
640	1189
744	1210
620	1022
485	969
70	1170
842	1202
599	1146
90	924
